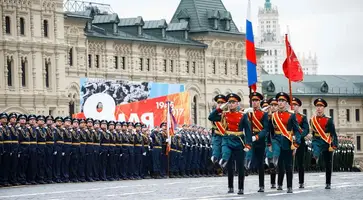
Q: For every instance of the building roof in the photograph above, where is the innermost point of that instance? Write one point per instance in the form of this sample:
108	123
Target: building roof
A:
200	12
315	85
153	24
131	21
106	19
178	26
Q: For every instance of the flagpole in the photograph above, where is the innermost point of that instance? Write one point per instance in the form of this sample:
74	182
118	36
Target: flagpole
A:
288	60
168	134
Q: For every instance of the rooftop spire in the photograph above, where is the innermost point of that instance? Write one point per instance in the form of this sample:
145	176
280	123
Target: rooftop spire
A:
267	4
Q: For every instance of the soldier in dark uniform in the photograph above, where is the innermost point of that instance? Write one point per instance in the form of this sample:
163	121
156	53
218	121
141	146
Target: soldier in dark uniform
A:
82	150
259	124
156	153
118	151
147	164
66	150
105	144
164	158
32	163
5	154
236	141
96	150
131	164
304	130
49	149
75	151
125	151
174	156
58	133
185	151
90	161
111	170
2	133
325	139
41	132
287	139
14	150
23	154
216	134
138	151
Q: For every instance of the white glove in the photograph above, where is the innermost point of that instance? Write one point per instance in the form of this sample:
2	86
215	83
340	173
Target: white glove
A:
248	110
120	155
294	152
246	149
253	138
63	153
293	137
265	108
11	154
168	140
223	105
144	154
270	148
55	153
18	155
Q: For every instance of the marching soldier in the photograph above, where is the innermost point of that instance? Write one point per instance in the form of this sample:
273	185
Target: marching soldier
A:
174	156
304	130
186	151
125	151
156	139
146	162
325	139
235	142
259	123
41	149
216	134
287	138
164	158
49	149
273	106
75	151
2	135
131	163
32	163
23	154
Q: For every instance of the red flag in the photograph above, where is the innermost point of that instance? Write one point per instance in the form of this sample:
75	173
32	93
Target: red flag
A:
292	68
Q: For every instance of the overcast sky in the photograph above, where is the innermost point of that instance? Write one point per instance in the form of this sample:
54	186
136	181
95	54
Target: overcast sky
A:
333	29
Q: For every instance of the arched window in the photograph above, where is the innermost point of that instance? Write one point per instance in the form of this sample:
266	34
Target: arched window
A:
71	108
9	64
7	25
22	26
70	55
195	111
45	27
23	72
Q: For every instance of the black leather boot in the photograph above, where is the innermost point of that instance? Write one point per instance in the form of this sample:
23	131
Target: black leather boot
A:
240	192
230	190
289	190
262	189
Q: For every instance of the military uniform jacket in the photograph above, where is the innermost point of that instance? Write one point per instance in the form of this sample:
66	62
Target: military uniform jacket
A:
14	135
156	140
67	137
32	135
327	125
41	135
289	122
76	136
1	140
58	134
24	139
5	139
105	139
260	127
49	136
303	126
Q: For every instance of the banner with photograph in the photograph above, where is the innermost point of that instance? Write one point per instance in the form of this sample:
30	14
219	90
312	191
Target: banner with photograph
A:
151	112
124	92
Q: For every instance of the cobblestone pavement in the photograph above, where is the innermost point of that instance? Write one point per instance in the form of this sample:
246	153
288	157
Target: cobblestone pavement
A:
345	186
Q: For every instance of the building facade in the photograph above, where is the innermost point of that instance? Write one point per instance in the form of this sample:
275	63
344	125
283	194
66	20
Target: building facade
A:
46	50
344	95
271	40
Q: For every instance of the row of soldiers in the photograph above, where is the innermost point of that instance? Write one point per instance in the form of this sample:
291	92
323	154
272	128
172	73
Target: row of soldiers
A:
271	133
39	149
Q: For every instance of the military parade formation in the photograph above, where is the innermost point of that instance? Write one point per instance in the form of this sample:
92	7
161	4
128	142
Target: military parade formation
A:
266	138
271	136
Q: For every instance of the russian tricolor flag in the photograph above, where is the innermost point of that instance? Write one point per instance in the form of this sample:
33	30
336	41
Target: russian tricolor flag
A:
250	52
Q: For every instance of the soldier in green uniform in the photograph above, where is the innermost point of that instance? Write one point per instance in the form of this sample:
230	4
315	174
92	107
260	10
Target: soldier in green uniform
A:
304	130
324	138
237	139
216	135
